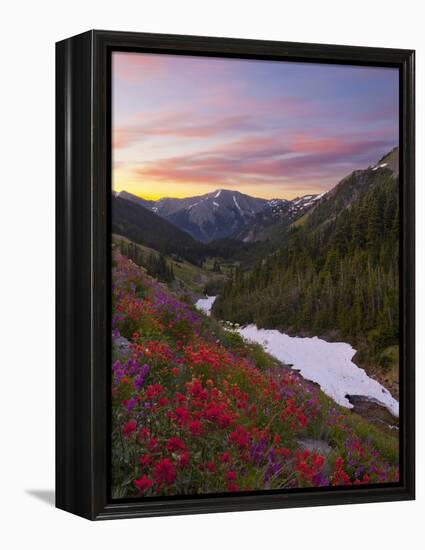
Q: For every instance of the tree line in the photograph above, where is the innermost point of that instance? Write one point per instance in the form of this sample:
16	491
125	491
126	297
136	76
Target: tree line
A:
155	264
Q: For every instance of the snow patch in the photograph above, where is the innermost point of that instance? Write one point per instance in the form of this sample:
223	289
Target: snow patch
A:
380	166
236	204
327	363
205	304
276	202
218	194
215	203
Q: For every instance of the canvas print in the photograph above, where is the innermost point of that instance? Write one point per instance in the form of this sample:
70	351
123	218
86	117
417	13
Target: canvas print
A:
255	275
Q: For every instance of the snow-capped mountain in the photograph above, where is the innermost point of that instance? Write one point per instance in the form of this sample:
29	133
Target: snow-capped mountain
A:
216	215
290	208
276	214
223	213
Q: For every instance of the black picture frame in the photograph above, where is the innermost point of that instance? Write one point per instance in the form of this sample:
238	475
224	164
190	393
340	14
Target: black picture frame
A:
83	157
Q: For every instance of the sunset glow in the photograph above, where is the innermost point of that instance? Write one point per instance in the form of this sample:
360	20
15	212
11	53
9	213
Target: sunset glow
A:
185	126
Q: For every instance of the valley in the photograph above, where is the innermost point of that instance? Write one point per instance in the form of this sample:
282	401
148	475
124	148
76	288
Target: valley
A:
289	306
293	266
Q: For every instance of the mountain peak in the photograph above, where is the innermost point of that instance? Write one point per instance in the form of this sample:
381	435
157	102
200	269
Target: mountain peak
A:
225	192
390	161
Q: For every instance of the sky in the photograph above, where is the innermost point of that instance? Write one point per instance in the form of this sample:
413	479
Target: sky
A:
186	125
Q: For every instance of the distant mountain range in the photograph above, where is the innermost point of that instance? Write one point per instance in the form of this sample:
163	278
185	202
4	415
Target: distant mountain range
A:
231	216
224	213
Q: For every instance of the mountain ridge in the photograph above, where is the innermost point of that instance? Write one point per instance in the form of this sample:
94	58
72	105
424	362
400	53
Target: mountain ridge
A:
229	214
222	213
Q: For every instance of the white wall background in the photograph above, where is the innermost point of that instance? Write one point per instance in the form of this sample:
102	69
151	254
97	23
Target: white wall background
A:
29	30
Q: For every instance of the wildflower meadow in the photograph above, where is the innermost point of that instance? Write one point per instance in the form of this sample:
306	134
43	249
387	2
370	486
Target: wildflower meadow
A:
198	410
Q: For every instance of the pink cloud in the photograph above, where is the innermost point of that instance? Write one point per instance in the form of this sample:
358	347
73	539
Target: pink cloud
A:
264	159
135	67
224	110
182	125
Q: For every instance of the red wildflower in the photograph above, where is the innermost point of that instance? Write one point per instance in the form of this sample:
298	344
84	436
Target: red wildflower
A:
143	483
239	437
182	415
339	462
129	427
225	420
164	471
195	427
184	459
340	477
175	444
152	444
145	460
195	389
230	475
180	397
225	457
319	461
153	391
144	433
162	401
302	419
210	466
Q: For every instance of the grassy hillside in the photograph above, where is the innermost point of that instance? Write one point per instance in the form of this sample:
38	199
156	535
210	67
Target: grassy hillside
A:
198	410
189	280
